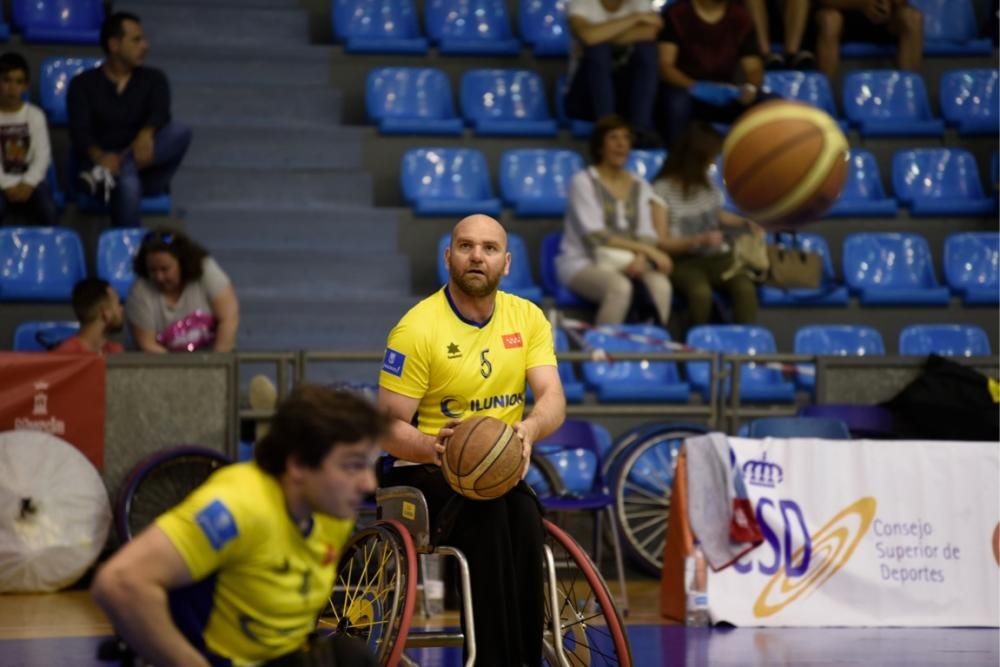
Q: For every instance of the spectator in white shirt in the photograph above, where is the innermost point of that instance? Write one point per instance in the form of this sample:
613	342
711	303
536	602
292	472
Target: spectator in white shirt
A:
25	154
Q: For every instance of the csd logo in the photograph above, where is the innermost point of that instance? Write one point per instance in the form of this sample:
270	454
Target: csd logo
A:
453	407
821	555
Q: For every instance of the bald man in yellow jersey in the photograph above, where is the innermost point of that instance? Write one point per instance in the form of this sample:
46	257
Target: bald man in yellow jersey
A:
469	350
237	573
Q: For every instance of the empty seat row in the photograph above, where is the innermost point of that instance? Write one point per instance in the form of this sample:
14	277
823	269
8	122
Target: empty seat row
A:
879	269
419	100
44	263
484	27
534	182
56	21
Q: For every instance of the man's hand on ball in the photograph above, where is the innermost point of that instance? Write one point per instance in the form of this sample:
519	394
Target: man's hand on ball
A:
526	433
441	441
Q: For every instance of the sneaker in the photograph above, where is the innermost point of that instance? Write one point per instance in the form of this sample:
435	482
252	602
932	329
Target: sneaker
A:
774	61
803	60
263	396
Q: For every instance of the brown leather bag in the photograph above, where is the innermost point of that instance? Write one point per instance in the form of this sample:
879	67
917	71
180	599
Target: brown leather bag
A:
791	267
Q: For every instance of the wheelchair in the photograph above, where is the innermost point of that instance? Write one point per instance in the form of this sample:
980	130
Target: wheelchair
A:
375	591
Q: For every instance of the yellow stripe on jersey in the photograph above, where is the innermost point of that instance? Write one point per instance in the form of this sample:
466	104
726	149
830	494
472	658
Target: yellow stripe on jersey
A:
270	580
459	368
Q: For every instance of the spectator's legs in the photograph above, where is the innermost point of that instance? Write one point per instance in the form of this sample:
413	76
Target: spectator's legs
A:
830	26
612	290
691	280
674	114
42	207
170	145
661	292
758	12
743	296
642	79
796	15
908	23
591	93
126	198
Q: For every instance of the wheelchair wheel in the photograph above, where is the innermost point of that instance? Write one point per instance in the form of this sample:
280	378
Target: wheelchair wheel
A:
642	487
592	629
612	460
544	478
159	482
374	590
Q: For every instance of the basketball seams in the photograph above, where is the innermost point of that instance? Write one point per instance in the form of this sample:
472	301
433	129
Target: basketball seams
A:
493	455
788	144
499	459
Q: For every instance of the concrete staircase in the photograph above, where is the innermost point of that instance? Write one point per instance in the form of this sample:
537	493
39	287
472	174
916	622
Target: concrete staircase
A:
274	184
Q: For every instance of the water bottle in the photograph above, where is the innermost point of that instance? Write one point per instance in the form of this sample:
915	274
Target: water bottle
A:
696	588
433	583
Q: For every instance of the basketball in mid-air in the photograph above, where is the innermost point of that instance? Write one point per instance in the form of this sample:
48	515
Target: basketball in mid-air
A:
482	459
784	163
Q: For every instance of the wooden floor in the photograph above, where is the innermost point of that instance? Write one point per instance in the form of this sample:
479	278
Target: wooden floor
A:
66	628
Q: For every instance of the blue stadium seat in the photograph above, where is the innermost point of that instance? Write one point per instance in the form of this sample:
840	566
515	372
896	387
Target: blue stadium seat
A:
826	428
4	28
470	27
543	26
506	102
53	84
519	281
889	103
970	267
947	340
951	29
645	163
939	182
411	100
59	21
580	129
116	248
863	194
43	336
39	263
892	269
572	387
829	293
377	26
969	101
535	181
809	87
447	181
758	383
840	340
564	296
632	381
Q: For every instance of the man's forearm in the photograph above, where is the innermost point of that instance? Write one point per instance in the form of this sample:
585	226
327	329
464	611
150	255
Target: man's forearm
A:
670	74
548	413
407	443
141	616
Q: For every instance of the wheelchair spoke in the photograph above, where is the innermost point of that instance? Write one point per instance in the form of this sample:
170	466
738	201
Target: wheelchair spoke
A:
635	488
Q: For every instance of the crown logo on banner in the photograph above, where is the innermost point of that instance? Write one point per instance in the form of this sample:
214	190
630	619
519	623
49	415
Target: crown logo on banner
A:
761	472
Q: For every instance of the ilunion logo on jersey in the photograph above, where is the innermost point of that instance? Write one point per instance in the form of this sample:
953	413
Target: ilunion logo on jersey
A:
456	406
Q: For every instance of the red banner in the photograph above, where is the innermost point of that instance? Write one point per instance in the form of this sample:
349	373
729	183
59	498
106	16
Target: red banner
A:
61	394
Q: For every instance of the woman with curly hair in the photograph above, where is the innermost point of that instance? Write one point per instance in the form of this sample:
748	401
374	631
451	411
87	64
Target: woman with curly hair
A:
181	299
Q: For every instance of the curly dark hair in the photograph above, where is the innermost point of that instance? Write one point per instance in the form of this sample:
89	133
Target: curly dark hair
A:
605	126
312	421
189	254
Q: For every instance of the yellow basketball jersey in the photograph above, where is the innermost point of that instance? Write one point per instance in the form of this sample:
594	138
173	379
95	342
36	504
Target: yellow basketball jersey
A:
459	368
260	582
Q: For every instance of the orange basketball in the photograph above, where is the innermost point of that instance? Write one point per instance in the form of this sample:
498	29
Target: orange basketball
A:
784	163
482	459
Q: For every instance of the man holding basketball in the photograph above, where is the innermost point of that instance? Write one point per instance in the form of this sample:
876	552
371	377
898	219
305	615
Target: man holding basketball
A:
238	572
470	346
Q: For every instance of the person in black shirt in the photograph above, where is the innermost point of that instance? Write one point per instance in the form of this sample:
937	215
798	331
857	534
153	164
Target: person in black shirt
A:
119	119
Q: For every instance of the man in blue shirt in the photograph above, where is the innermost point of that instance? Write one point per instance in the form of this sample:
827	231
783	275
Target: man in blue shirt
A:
119	121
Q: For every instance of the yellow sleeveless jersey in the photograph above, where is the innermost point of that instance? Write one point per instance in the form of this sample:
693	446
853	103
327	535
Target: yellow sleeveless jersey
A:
459	368
259	581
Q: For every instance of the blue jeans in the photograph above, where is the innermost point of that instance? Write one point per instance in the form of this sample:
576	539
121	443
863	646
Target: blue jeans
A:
676	109
599	88
40	209
170	144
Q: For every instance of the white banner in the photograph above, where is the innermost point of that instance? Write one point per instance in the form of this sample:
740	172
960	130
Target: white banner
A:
867	533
